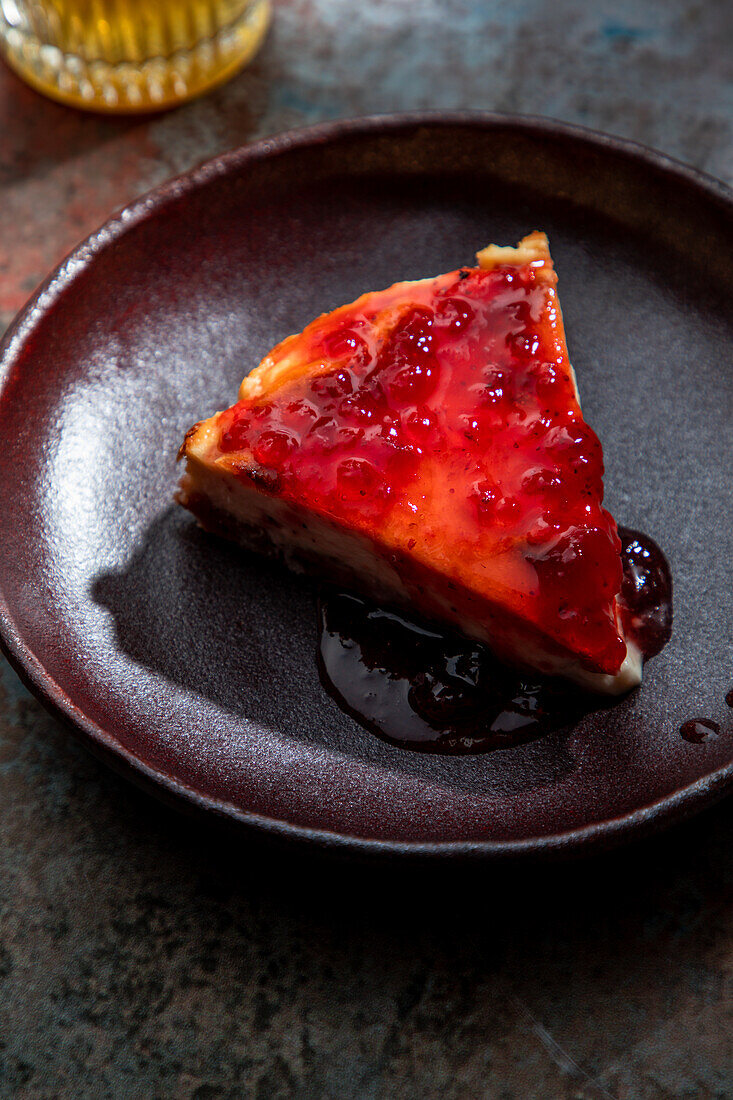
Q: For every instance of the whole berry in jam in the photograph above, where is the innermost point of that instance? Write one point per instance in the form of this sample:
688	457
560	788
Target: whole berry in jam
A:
366	407
454	314
271	448
236	436
524	345
548	380
493	505
413	382
414	332
547	527
301	412
332	384
543	481
358	480
407	364
422	426
346	344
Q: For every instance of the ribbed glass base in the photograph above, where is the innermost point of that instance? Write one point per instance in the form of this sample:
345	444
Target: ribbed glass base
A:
127	56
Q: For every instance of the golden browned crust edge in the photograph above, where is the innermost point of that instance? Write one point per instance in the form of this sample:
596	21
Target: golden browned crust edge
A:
532	249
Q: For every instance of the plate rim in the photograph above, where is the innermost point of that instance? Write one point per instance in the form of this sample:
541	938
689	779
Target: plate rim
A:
671	808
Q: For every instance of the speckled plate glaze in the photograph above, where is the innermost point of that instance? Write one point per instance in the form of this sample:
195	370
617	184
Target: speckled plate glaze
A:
192	665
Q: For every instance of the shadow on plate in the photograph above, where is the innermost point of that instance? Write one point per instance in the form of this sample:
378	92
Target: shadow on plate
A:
241	633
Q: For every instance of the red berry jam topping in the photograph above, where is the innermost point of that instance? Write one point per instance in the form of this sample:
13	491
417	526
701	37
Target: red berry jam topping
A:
455	393
271	448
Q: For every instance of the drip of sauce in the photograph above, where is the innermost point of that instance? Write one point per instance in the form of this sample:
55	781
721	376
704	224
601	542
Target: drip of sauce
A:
429	689
646	592
698	730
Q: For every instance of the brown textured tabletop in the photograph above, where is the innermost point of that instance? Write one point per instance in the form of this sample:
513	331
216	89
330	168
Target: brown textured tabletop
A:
144	955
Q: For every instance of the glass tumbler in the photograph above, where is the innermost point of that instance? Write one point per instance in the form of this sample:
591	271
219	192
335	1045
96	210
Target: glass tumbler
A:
129	55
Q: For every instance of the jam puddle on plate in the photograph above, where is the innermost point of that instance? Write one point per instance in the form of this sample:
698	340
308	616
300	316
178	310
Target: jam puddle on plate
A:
424	688
699	730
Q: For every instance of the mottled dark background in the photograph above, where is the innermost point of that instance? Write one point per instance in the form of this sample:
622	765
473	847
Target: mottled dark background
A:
143	955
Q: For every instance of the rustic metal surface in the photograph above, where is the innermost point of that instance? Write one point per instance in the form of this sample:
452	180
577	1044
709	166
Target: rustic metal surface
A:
140	956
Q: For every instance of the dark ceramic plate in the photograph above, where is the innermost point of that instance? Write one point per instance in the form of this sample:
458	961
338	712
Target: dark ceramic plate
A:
192	665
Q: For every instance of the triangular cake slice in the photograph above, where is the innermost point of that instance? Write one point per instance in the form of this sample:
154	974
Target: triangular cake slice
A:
425	446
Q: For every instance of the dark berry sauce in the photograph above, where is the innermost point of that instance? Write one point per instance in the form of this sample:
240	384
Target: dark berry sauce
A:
429	689
699	730
646	592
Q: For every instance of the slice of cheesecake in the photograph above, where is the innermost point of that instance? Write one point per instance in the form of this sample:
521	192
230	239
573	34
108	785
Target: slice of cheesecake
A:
424	445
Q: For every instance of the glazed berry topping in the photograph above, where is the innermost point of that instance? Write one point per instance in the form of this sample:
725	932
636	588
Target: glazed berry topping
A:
422	427
332	385
461	387
543	481
367	406
273	447
455	314
346	344
579	576
407	365
357	478
237	436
